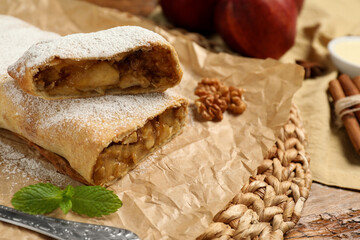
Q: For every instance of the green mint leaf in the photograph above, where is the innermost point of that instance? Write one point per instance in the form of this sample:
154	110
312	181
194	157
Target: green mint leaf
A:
94	201
39	198
65	205
68	192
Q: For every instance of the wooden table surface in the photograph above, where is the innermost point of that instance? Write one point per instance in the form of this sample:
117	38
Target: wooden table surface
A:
329	212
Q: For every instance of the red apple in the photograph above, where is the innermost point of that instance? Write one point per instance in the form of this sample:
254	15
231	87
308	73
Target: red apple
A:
194	15
299	4
257	28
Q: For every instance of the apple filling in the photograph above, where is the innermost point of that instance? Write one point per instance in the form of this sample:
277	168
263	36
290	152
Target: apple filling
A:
122	156
148	69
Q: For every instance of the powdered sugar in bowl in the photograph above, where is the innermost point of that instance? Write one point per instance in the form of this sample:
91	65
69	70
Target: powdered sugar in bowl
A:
345	54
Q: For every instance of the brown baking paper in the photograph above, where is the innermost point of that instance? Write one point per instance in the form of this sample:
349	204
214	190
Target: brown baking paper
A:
333	158
175	192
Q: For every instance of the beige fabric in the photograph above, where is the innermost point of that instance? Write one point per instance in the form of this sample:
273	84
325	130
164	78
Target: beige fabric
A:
334	161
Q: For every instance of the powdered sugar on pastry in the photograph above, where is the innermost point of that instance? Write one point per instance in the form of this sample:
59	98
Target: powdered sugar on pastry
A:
16	37
107	113
87	46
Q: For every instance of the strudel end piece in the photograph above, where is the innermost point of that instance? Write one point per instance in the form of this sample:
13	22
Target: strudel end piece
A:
121	60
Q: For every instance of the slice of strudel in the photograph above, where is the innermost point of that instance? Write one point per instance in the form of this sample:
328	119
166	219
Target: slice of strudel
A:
121	60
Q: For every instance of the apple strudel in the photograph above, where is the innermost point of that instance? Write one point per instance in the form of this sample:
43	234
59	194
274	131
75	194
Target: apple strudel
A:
121	60
94	140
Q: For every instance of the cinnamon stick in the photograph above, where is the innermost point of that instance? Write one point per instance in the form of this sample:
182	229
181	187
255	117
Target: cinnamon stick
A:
350	122
350	89
356	81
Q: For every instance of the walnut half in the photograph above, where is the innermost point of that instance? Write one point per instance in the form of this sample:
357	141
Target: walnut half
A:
236	104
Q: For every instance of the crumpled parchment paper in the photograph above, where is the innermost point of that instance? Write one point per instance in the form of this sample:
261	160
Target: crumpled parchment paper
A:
175	192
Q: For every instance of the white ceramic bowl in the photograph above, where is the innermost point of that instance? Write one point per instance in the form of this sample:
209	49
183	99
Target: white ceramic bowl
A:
344	65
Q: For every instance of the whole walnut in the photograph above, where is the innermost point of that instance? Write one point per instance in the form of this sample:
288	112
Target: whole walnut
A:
216	98
211	107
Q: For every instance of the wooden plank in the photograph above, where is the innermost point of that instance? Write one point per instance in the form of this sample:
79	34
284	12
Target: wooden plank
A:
328	225
329	213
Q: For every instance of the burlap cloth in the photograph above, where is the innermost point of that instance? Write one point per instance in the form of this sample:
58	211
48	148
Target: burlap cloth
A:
334	161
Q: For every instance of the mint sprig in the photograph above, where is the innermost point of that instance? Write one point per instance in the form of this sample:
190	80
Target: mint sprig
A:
41	198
